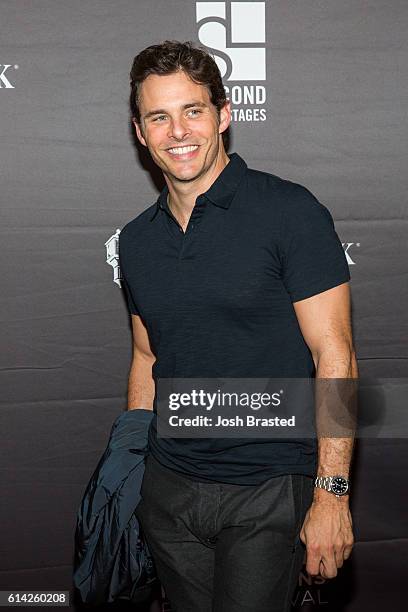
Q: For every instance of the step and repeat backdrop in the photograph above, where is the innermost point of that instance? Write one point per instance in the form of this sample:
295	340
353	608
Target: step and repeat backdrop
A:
319	96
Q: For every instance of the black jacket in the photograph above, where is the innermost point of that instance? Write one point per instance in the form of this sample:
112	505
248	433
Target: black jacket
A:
112	560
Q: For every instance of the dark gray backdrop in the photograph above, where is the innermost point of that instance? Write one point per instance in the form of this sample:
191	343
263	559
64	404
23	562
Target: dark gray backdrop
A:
335	121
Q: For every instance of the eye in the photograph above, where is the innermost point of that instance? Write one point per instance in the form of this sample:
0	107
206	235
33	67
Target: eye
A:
194	112
159	118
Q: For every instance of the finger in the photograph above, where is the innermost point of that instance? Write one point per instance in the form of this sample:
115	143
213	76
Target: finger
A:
322	572
312	562
338	556
347	552
329	564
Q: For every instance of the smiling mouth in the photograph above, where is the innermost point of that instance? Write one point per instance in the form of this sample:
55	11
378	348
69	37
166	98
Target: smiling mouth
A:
182	150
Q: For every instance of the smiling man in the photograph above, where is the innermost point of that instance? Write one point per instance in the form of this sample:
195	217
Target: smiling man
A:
190	159
232	273
184	137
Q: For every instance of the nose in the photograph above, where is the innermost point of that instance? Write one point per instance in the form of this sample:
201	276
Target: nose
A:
178	129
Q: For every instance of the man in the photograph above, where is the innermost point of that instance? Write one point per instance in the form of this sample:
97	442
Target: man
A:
232	273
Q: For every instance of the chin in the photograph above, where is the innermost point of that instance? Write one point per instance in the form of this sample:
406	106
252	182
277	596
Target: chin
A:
189	174
187	177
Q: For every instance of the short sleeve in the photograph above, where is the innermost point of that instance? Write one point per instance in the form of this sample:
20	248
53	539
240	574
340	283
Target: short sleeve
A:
124	283
129	298
313	259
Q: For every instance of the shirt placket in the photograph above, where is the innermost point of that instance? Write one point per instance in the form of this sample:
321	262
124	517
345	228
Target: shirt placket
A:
186	238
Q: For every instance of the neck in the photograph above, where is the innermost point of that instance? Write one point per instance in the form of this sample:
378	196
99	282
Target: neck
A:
182	195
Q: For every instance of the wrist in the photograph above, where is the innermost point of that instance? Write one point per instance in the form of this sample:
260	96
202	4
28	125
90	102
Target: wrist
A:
336	486
321	496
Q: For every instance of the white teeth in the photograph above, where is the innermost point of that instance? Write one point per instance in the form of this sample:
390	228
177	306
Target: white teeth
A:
183	150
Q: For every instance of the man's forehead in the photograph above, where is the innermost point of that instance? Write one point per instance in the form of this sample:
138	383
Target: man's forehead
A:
173	88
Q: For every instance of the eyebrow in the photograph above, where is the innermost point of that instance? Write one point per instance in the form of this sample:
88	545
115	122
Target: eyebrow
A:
162	111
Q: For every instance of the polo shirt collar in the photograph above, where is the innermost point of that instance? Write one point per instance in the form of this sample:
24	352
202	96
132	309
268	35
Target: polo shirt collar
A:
221	191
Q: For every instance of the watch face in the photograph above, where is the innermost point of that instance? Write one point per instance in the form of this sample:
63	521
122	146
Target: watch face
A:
339	485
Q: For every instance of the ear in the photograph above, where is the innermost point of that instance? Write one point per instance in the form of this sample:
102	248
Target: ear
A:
139	132
225	117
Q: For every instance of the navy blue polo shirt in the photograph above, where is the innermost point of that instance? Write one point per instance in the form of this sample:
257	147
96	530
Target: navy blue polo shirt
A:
217	301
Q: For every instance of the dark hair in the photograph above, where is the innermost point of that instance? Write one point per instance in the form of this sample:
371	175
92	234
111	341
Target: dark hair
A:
169	57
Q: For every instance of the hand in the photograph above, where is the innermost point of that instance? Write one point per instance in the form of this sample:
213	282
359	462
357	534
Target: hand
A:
327	532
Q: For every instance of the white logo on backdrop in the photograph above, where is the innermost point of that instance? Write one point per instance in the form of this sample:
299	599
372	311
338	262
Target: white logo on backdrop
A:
4	78
235	32
347	246
112	256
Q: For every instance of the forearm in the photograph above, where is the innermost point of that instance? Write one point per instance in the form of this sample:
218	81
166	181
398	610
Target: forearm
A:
335	453
141	387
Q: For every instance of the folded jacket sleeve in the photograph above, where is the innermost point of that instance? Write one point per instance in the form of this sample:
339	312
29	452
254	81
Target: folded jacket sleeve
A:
108	559
312	256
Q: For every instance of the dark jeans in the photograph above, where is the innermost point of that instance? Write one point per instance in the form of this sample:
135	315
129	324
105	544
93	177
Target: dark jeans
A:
223	547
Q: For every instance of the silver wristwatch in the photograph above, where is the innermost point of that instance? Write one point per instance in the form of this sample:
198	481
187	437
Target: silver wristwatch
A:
335	484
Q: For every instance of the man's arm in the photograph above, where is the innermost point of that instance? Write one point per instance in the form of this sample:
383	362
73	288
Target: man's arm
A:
141	388
325	322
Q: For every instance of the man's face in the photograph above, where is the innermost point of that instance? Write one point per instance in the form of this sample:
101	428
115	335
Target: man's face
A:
180	126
